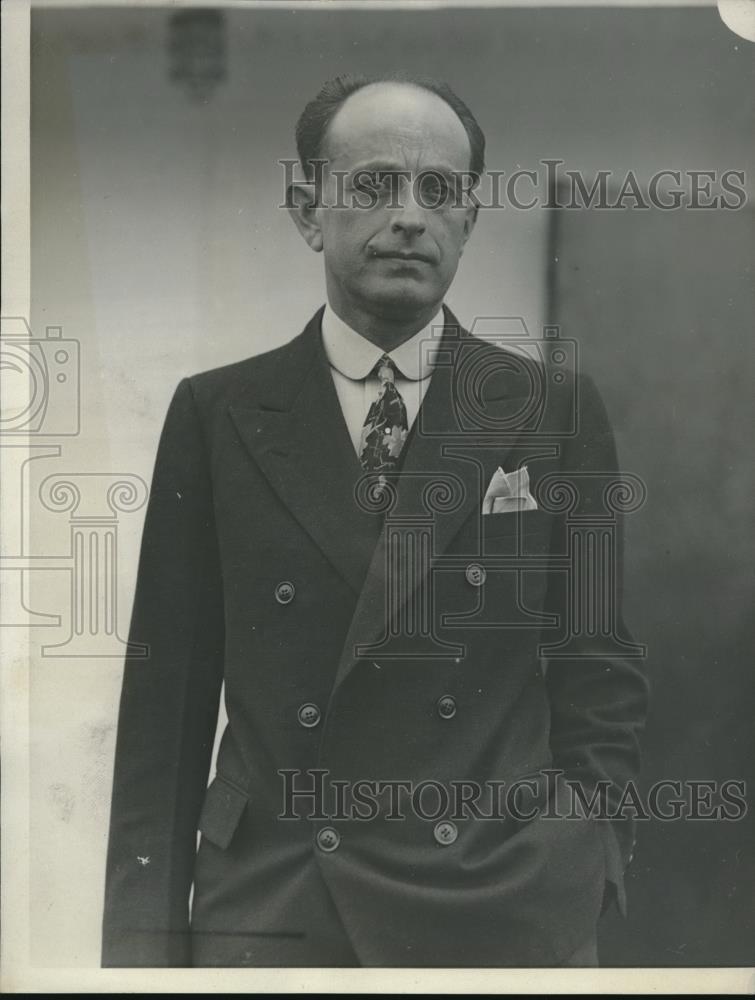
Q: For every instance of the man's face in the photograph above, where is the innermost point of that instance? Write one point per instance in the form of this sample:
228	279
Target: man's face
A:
398	256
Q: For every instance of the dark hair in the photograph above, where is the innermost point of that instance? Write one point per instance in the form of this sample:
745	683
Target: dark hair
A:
319	113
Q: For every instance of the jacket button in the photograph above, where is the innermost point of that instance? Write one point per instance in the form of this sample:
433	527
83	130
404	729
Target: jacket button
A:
446	707
284	592
308	714
445	832
475	574
328	839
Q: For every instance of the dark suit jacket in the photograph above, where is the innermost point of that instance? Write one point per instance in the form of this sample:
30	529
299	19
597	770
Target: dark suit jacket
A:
253	487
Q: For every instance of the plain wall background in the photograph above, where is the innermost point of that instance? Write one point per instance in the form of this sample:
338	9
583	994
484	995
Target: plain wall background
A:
158	244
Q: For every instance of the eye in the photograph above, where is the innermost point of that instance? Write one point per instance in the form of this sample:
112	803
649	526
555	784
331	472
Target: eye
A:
364	181
434	189
386	181
380	183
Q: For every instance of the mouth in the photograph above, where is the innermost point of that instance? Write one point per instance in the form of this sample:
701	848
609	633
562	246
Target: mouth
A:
402	256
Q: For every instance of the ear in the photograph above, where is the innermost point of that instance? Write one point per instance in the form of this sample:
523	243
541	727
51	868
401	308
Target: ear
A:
302	207
469	223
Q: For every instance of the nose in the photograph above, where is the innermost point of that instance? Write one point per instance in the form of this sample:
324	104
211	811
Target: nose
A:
409	219
409	227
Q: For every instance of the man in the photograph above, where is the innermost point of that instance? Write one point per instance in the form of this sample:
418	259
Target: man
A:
315	539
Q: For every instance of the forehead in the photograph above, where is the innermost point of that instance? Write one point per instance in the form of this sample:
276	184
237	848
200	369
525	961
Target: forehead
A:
397	121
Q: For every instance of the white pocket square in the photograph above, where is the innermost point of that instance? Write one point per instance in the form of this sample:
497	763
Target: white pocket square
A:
508	491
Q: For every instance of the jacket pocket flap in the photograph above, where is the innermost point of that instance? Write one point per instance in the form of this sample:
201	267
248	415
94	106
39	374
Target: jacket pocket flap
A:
223	807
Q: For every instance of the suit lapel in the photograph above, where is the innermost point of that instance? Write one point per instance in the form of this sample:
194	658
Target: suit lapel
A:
294	430
296	433
444	451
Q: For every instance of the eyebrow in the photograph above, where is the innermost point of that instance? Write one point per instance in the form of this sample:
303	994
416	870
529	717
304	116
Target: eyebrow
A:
388	166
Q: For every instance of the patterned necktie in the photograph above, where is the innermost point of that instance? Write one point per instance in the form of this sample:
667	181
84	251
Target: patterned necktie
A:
386	426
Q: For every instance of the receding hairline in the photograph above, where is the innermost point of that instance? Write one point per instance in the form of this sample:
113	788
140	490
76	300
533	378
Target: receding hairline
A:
402	84
319	113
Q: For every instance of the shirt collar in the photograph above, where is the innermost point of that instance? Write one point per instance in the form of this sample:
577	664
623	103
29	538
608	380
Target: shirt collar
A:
355	357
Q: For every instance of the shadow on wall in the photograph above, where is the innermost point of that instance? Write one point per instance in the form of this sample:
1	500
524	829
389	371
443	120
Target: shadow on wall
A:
662	305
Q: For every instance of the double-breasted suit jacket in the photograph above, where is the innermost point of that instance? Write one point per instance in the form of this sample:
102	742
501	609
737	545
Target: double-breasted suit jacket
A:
364	636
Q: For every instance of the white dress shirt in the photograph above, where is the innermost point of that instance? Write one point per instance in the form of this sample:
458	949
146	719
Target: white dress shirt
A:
352	358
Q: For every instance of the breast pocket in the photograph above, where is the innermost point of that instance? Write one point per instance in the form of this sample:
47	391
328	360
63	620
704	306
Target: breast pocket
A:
515	524
222	811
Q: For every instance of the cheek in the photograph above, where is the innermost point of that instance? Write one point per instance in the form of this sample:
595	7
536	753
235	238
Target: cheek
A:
345	235
450	243
455	222
448	228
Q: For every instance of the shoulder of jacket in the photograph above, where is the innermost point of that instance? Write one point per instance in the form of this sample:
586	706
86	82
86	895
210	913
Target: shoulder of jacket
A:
216	385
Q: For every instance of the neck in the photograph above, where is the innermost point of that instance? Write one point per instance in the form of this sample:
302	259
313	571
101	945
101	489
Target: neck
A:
385	331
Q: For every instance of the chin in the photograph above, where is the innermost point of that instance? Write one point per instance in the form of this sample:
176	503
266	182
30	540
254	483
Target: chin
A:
400	297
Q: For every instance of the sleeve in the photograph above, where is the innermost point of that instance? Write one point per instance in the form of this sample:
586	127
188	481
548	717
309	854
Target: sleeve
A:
168	707
598	692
